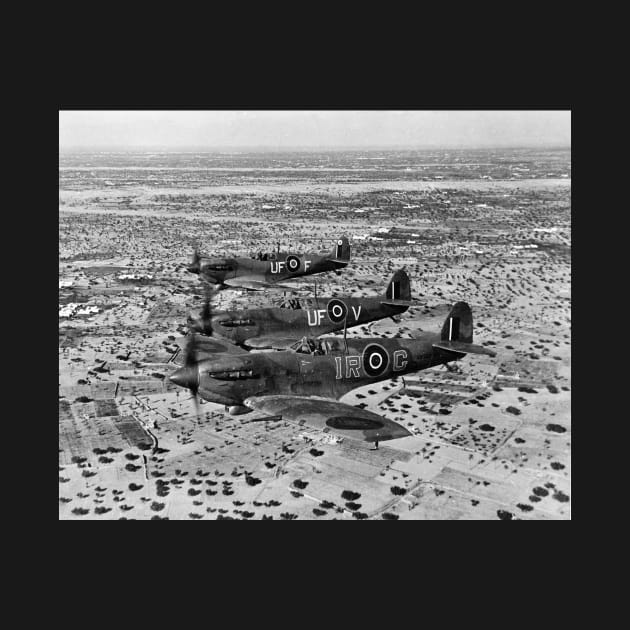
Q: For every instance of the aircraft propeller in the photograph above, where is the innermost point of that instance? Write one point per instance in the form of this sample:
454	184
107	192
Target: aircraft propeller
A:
203	322
195	265
188	375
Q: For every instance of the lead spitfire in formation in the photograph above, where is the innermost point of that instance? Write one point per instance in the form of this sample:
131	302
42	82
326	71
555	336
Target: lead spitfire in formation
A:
269	270
279	327
306	382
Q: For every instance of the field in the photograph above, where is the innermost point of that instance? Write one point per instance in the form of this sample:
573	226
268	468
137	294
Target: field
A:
491	227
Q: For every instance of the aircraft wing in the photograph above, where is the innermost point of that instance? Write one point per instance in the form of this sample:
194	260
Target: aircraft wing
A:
329	415
460	346
209	345
246	283
252	284
269	341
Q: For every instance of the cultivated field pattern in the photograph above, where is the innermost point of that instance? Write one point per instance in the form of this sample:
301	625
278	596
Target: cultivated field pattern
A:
491	440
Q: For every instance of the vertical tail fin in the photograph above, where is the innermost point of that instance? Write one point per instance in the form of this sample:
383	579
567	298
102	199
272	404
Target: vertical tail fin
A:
341	250
458	325
399	287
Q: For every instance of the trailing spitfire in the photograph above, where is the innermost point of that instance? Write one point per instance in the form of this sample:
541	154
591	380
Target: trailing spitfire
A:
270	270
306	382
279	327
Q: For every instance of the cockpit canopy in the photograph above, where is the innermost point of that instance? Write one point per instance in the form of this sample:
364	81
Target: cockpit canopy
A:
292	303
307	345
264	256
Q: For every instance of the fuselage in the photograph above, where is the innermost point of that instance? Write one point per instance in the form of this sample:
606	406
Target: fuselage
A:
283	266
304	317
231	379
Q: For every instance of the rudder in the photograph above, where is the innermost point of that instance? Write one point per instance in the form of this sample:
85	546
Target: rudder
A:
399	287
341	250
458	325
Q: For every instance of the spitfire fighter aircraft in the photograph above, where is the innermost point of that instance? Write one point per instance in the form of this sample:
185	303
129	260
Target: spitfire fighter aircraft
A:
268	270
305	383
279	327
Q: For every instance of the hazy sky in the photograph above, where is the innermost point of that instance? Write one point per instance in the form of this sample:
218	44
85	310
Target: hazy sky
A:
223	129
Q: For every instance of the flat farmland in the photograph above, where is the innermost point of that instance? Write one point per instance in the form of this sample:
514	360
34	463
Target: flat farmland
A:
491	227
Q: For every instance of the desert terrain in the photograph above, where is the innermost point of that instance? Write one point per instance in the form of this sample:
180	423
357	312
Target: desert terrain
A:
491	440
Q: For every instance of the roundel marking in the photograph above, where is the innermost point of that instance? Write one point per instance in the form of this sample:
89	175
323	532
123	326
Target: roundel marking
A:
293	263
337	311
340	242
353	423
375	359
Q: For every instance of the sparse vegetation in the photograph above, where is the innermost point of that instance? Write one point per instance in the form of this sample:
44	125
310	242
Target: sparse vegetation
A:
556	428
560	496
348	495
517	292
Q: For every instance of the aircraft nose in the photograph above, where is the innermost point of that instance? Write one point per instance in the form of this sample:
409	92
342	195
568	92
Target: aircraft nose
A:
186	376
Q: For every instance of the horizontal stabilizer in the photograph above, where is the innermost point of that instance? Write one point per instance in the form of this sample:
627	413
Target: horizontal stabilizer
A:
400	303
338	260
461	346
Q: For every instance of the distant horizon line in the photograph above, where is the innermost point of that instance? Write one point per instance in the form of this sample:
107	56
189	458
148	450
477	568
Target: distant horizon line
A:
308	148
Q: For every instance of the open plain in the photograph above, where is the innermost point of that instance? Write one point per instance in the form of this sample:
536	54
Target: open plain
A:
491	440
